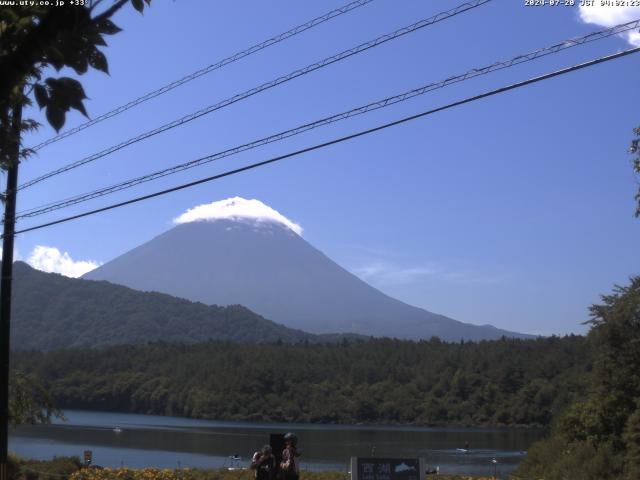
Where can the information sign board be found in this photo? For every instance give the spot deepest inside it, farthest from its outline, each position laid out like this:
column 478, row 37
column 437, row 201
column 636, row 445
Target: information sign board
column 375, row 468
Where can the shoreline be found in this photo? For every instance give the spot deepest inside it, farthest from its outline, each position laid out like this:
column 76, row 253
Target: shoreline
column 254, row 422
column 140, row 441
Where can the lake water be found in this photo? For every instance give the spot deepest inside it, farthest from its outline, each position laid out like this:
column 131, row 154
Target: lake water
column 171, row 442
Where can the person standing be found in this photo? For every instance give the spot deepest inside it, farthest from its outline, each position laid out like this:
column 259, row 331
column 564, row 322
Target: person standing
column 264, row 464
column 289, row 465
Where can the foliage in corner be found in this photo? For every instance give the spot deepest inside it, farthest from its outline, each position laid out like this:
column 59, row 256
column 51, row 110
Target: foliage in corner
column 29, row 401
column 599, row 437
column 635, row 150
column 35, row 39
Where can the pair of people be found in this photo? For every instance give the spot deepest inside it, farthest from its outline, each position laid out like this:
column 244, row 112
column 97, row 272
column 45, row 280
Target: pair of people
column 265, row 465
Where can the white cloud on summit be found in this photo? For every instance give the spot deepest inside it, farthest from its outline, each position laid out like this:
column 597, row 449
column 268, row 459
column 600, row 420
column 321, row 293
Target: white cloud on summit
column 237, row 208
column 51, row 260
column 612, row 16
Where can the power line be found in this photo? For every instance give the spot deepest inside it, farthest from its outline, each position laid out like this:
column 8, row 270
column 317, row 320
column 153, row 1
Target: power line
column 265, row 86
column 338, row 140
column 215, row 66
column 523, row 58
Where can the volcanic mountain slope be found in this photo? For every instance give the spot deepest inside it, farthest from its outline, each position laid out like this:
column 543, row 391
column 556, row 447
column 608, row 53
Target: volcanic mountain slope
column 51, row 311
column 266, row 266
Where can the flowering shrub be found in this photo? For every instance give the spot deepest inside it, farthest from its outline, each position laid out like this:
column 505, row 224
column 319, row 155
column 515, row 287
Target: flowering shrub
column 69, row 468
column 186, row 474
column 124, row 474
column 157, row 474
column 195, row 474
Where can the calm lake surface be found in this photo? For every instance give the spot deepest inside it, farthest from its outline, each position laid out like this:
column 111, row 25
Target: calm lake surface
column 171, row 442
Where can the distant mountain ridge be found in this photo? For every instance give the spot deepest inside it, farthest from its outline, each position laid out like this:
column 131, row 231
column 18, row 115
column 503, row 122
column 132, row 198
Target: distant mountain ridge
column 52, row 312
column 273, row 271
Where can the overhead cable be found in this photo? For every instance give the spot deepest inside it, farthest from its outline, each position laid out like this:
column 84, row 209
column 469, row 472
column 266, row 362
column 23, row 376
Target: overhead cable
column 337, row 140
column 386, row 102
column 265, row 86
column 203, row 71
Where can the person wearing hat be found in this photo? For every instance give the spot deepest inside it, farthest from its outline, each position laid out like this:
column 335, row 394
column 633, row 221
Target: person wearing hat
column 289, row 465
column 264, row 464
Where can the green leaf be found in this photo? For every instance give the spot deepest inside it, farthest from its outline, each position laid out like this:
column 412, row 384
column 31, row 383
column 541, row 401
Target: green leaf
column 80, row 65
column 41, row 94
column 108, row 27
column 54, row 57
column 73, row 85
column 29, row 125
column 55, row 116
column 98, row 60
column 78, row 105
column 92, row 36
column 98, row 40
column 138, row 5
column 66, row 93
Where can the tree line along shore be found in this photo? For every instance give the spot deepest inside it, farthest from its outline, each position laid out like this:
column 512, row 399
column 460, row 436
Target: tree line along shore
column 381, row 381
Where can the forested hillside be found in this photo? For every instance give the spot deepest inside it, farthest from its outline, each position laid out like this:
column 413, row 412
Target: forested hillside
column 51, row 311
column 504, row 382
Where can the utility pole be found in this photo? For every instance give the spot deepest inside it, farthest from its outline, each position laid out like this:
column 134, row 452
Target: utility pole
column 13, row 157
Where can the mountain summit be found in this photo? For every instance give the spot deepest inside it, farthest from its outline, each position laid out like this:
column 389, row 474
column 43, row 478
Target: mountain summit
column 239, row 251
column 238, row 209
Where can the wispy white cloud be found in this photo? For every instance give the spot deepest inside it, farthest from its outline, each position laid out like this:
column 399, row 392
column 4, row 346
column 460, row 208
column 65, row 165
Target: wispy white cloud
column 50, row 259
column 609, row 16
column 384, row 273
column 236, row 208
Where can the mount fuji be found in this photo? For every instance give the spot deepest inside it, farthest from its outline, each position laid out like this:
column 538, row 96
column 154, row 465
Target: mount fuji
column 239, row 251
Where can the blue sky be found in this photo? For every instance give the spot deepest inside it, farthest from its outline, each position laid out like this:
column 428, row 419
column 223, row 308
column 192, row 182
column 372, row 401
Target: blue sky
column 515, row 210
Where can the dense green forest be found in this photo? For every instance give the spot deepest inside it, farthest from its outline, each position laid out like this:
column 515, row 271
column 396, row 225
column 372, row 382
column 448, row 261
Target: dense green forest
column 598, row 436
column 504, row 382
column 51, row 311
